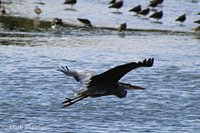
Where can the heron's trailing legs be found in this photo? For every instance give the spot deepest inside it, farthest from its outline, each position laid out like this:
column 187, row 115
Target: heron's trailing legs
column 69, row 101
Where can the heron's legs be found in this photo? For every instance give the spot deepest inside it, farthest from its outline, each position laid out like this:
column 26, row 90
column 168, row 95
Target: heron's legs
column 69, row 101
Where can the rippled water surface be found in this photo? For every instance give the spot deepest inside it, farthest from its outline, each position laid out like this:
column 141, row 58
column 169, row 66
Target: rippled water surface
column 31, row 90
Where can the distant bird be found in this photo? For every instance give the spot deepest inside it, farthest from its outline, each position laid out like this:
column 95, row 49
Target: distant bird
column 112, row 2
column 2, row 10
column 70, row 2
column 117, row 5
column 136, row 9
column 196, row 29
column 122, row 27
column 40, row 2
column 160, row 1
column 37, row 10
column 57, row 24
column 157, row 15
column 86, row 22
column 144, row 12
column 153, row 4
column 157, row 1
column 104, row 84
column 181, row 18
column 197, row 21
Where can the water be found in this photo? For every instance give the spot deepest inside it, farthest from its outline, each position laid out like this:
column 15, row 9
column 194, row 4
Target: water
column 32, row 90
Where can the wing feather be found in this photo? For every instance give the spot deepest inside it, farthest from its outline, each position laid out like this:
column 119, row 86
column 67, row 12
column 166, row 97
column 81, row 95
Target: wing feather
column 113, row 75
column 67, row 72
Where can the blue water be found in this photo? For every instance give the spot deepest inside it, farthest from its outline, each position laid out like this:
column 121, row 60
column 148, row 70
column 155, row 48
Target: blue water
column 31, row 90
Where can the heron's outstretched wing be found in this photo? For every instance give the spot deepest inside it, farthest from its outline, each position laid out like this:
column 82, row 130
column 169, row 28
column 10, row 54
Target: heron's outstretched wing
column 67, row 72
column 113, row 75
column 80, row 76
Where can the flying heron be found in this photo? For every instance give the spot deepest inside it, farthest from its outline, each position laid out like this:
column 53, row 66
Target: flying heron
column 104, row 84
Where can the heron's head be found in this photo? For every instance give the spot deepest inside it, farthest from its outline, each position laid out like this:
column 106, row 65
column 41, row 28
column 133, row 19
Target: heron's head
column 121, row 92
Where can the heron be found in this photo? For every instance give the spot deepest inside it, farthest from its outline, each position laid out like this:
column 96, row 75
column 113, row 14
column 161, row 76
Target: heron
column 104, row 84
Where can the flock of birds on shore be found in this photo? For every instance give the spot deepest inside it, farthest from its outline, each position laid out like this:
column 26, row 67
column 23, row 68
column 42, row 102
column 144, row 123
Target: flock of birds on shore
column 157, row 15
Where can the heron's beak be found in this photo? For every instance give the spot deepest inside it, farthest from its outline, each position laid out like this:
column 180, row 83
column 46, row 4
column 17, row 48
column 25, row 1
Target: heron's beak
column 132, row 87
